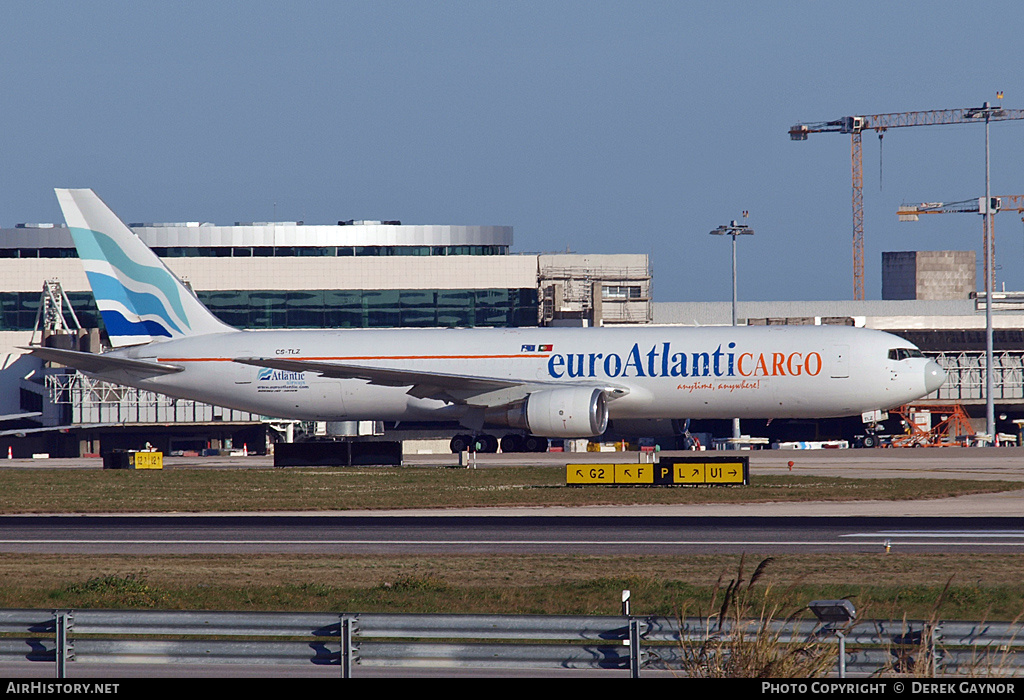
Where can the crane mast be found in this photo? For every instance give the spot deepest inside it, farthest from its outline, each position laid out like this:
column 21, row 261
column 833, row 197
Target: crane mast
column 856, row 125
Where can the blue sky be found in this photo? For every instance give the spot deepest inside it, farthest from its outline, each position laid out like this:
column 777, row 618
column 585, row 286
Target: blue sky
column 597, row 127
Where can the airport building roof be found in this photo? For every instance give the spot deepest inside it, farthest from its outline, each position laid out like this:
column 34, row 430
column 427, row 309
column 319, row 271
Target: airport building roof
column 273, row 234
column 884, row 315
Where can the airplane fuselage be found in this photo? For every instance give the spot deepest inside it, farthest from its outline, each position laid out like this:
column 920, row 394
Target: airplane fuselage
column 659, row 372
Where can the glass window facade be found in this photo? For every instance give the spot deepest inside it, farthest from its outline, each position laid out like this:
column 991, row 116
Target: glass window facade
column 341, row 308
column 18, row 310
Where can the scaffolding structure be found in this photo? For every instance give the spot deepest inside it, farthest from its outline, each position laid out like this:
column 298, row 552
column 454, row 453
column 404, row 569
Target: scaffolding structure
column 601, row 296
column 94, row 402
column 953, row 429
column 965, row 372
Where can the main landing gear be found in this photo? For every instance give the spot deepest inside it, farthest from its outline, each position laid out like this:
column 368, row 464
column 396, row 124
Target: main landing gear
column 508, row 443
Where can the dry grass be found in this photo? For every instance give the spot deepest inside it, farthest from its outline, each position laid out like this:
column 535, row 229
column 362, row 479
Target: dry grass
column 738, row 641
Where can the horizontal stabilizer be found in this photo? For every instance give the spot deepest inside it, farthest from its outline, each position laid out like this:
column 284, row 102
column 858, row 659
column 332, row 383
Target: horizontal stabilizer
column 98, row 364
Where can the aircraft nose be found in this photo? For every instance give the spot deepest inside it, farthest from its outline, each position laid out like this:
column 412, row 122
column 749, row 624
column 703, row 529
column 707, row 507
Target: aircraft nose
column 934, row 376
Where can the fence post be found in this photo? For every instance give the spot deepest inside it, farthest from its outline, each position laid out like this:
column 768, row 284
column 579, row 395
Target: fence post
column 842, row 653
column 634, row 648
column 346, row 647
column 64, row 649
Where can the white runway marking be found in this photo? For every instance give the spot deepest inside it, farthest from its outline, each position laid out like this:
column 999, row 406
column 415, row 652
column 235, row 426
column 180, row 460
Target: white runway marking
column 955, row 534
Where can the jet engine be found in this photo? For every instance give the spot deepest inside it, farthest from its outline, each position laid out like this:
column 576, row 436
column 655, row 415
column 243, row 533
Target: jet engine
column 572, row 412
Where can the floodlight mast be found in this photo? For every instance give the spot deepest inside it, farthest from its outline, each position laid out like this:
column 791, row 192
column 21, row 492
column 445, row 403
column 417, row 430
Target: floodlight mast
column 734, row 229
column 988, row 112
column 987, row 206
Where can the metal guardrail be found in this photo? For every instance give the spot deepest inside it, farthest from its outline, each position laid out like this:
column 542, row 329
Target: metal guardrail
column 70, row 638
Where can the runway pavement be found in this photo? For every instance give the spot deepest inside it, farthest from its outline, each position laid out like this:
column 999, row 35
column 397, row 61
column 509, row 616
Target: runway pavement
column 491, row 533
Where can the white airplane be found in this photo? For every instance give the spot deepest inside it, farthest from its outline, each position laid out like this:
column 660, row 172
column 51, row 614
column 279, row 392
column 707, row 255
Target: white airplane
column 544, row 382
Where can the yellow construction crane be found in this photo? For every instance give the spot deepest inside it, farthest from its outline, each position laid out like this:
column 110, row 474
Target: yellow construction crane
column 1015, row 202
column 854, row 126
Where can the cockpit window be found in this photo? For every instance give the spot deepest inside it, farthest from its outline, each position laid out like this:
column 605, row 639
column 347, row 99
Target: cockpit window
column 904, row 353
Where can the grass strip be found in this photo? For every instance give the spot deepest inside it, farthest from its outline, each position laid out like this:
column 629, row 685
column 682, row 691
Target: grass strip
column 882, row 586
column 201, row 490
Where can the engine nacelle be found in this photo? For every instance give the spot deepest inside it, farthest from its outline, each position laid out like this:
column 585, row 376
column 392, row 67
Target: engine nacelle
column 573, row 412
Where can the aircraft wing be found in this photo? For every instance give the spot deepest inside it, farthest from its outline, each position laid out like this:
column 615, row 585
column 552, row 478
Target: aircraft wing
column 460, row 388
column 100, row 364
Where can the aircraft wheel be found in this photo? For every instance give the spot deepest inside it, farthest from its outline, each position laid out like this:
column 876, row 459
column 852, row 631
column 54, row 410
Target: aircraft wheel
column 536, row 444
column 869, row 441
column 512, row 443
column 486, row 443
column 461, row 443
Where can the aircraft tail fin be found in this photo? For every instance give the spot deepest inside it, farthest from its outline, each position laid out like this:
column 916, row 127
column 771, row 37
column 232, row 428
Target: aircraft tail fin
column 139, row 299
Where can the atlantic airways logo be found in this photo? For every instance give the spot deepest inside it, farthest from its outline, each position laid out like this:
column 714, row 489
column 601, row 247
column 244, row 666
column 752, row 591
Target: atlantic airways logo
column 275, row 381
column 277, row 375
column 661, row 360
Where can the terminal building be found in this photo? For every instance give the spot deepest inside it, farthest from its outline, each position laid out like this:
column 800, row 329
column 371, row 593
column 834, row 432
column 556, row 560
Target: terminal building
column 377, row 274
